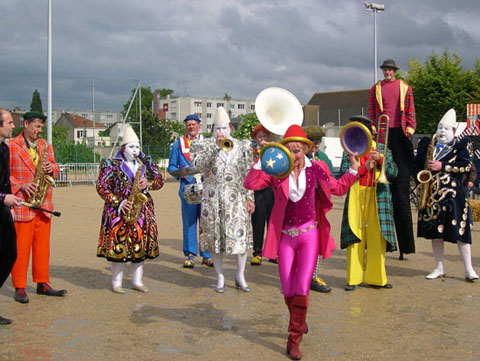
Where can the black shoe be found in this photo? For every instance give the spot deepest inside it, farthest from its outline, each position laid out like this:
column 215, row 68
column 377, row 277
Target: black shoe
column 350, row 287
column 319, row 285
column 45, row 289
column 386, row 285
column 5, row 321
column 21, row 295
column 273, row 260
column 401, row 257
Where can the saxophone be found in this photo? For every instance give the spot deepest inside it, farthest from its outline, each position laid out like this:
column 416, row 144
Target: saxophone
column 137, row 198
column 425, row 177
column 42, row 181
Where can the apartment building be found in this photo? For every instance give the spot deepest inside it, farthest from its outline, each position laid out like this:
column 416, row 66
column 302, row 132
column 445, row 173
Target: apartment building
column 177, row 108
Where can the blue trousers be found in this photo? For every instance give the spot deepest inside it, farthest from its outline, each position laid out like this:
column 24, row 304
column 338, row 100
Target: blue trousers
column 190, row 217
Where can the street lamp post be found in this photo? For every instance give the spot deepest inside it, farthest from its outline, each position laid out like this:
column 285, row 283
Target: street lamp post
column 374, row 8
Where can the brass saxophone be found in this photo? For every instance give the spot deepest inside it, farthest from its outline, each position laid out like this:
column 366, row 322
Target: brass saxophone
column 425, row 177
column 42, row 181
column 137, row 198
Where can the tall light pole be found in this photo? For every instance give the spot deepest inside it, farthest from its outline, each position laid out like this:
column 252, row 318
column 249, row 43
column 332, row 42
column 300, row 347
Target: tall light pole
column 374, row 8
column 49, row 73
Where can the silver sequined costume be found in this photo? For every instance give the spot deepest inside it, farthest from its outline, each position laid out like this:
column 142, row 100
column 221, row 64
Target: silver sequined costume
column 225, row 224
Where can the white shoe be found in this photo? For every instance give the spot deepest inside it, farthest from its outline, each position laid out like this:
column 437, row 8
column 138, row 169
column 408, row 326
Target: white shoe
column 118, row 289
column 471, row 276
column 141, row 288
column 435, row 274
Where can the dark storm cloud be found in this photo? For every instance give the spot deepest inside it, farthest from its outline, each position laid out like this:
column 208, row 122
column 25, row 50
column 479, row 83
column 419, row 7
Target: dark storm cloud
column 208, row 48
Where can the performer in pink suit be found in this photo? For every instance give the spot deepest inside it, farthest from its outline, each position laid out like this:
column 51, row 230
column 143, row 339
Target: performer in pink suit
column 298, row 230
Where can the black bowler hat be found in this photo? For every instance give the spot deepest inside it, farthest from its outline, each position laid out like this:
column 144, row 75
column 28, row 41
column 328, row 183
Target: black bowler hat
column 362, row 119
column 33, row 115
column 389, row 63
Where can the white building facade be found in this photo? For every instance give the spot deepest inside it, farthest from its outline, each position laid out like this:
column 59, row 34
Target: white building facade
column 177, row 108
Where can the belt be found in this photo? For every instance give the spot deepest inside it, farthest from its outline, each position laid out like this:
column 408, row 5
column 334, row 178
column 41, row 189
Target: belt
column 295, row 232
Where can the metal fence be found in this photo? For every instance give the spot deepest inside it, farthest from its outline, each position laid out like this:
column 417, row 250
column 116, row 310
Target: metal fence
column 84, row 173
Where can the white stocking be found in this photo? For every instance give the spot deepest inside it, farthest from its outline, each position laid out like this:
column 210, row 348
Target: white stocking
column 466, row 254
column 117, row 273
column 241, row 262
column 437, row 247
column 137, row 274
column 217, row 259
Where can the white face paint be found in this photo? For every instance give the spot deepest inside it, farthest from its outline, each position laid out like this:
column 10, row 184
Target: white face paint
column 444, row 133
column 132, row 150
column 223, row 129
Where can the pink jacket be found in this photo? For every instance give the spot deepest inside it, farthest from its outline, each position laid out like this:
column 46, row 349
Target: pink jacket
column 257, row 179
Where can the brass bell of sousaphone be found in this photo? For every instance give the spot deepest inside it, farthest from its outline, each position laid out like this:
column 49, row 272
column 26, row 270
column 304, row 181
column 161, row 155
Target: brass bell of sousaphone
column 356, row 138
column 277, row 109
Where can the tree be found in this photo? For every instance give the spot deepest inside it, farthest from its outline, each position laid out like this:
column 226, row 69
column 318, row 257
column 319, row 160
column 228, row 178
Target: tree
column 441, row 84
column 164, row 92
column 246, row 126
column 36, row 104
column 227, row 97
column 147, row 97
column 157, row 134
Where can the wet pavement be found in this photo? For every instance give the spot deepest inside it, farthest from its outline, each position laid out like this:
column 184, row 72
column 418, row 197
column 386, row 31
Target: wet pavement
column 182, row 318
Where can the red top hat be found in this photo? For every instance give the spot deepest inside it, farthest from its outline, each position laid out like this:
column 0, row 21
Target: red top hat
column 259, row 128
column 295, row 133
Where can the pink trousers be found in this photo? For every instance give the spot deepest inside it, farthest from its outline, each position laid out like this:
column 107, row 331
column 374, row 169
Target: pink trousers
column 297, row 258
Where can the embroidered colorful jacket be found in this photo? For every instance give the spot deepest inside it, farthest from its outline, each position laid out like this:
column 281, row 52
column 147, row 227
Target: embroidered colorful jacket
column 22, row 170
column 407, row 109
column 120, row 241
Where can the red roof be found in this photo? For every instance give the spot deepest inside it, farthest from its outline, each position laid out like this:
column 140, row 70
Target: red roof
column 81, row 122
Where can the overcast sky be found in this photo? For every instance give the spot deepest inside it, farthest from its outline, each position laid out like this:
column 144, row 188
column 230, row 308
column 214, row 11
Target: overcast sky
column 213, row 47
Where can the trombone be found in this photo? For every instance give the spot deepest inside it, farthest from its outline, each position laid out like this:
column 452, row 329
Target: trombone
column 382, row 178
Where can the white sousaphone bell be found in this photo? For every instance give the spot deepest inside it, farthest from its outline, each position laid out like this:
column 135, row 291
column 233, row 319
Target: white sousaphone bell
column 277, row 109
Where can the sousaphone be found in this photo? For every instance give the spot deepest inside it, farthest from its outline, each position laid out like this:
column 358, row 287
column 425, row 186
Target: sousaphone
column 277, row 109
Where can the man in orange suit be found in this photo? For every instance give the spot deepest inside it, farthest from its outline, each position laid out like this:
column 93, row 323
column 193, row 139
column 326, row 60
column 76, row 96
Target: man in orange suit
column 32, row 226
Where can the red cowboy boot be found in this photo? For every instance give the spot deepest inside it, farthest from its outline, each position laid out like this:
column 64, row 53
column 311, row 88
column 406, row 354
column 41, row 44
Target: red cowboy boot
column 288, row 302
column 297, row 326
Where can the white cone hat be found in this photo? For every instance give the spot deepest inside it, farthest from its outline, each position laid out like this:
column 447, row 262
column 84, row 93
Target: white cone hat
column 221, row 117
column 449, row 119
column 129, row 136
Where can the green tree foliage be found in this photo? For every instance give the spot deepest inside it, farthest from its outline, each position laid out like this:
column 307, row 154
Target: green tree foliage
column 36, row 104
column 441, row 84
column 157, row 135
column 147, row 97
column 164, row 92
column 246, row 126
column 67, row 151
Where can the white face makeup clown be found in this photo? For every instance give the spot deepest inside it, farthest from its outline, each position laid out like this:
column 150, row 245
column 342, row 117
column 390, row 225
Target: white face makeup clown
column 221, row 123
column 223, row 129
column 446, row 127
column 131, row 151
column 445, row 134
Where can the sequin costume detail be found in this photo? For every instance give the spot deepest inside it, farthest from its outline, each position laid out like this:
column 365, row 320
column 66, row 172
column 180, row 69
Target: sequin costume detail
column 225, row 224
column 120, row 241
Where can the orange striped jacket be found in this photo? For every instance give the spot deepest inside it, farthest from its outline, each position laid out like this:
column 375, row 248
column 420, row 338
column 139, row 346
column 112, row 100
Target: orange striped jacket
column 22, row 170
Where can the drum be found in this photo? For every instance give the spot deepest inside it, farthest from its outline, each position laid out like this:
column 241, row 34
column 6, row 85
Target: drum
column 192, row 193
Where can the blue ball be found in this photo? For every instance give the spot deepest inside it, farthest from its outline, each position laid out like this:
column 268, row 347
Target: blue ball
column 276, row 160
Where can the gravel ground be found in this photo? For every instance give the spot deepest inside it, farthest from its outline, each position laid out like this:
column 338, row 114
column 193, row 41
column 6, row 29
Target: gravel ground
column 182, row 318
